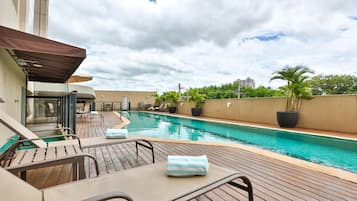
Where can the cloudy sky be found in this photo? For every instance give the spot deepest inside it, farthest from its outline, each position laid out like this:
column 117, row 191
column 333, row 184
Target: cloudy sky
column 154, row 45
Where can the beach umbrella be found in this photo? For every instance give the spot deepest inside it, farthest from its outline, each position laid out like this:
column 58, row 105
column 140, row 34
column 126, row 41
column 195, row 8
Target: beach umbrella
column 79, row 78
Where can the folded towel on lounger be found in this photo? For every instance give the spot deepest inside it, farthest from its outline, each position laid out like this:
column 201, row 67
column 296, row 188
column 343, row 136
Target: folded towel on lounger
column 94, row 112
column 181, row 166
column 116, row 133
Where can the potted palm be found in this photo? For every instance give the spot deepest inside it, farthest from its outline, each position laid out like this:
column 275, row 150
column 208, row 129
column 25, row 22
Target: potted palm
column 158, row 99
column 297, row 89
column 172, row 97
column 198, row 99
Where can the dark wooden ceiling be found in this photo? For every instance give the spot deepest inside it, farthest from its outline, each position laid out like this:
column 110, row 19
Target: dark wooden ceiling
column 44, row 60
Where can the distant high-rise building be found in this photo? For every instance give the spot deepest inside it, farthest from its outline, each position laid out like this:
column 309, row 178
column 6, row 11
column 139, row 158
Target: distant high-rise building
column 249, row 82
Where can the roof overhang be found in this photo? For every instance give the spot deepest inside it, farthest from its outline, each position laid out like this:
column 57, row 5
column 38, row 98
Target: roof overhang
column 42, row 59
column 59, row 90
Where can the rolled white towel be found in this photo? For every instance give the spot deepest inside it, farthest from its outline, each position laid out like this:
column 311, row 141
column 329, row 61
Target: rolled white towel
column 116, row 133
column 181, row 166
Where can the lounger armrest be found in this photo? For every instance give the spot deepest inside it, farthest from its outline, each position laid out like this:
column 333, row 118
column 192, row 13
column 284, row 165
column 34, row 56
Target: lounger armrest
column 61, row 160
column 55, row 129
column 109, row 196
column 41, row 138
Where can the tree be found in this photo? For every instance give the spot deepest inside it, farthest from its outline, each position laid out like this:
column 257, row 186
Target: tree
column 172, row 97
column 297, row 87
column 334, row 84
column 195, row 96
column 159, row 98
column 261, row 91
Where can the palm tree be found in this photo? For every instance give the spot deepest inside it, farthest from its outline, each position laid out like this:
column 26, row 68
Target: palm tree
column 297, row 87
column 195, row 96
column 172, row 97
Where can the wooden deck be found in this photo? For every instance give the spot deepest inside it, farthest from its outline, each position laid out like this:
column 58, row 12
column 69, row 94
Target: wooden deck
column 272, row 179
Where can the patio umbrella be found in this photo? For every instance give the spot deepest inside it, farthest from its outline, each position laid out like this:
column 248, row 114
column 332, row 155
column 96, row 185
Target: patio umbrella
column 79, row 78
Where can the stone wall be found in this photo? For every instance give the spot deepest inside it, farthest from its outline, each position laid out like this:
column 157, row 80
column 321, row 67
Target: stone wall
column 331, row 113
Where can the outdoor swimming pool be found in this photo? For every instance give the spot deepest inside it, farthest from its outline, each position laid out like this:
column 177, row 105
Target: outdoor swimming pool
column 318, row 149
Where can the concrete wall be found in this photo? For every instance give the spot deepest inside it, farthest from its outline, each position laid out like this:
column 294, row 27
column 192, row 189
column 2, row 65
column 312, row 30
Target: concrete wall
column 40, row 22
column 12, row 84
column 331, row 113
column 134, row 97
column 14, row 14
column 8, row 14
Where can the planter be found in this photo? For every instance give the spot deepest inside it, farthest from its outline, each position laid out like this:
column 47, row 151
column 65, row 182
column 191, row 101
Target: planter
column 172, row 109
column 287, row 119
column 196, row 111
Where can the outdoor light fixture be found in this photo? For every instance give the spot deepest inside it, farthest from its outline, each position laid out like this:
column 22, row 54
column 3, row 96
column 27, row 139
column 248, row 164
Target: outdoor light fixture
column 37, row 65
column 1, row 100
column 21, row 62
column 28, row 63
column 229, row 104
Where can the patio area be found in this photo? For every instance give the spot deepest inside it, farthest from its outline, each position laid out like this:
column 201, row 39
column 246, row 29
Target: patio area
column 272, row 179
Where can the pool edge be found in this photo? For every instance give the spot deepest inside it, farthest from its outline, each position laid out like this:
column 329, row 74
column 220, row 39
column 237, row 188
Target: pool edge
column 336, row 172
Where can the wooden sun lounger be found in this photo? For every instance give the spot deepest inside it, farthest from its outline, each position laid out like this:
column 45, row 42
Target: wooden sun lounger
column 144, row 183
column 28, row 135
column 22, row 161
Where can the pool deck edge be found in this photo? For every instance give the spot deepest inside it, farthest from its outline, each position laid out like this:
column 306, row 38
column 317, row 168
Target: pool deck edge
column 342, row 174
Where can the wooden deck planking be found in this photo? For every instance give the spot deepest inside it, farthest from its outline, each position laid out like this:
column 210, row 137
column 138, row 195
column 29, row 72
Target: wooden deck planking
column 260, row 174
column 272, row 179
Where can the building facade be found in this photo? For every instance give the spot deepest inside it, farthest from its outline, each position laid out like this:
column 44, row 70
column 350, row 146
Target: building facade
column 249, row 82
column 13, row 14
column 119, row 100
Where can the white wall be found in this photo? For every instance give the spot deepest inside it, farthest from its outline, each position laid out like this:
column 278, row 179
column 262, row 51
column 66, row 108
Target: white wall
column 12, row 80
column 8, row 14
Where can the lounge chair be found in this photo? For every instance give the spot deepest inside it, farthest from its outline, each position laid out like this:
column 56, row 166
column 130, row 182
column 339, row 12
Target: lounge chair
column 84, row 111
column 164, row 107
column 28, row 136
column 144, row 183
column 156, row 108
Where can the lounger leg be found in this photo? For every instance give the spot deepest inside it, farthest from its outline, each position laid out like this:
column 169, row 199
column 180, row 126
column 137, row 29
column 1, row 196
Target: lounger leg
column 74, row 171
column 82, row 174
column 23, row 175
column 148, row 145
column 247, row 188
column 137, row 150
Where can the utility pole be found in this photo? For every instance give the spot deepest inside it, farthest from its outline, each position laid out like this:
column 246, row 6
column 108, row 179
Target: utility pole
column 238, row 93
column 179, row 88
column 238, row 90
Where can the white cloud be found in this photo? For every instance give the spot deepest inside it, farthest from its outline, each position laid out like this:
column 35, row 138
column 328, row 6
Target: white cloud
column 140, row 45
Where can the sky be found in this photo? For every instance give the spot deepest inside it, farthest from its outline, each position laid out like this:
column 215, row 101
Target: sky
column 152, row 45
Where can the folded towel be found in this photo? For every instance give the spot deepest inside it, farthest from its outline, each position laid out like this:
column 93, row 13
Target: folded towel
column 94, row 112
column 181, row 166
column 116, row 133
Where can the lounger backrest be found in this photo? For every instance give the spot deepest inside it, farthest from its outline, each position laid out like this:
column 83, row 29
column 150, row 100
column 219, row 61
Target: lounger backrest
column 13, row 188
column 20, row 129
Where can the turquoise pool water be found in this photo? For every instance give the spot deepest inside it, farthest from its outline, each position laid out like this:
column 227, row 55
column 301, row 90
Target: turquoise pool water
column 324, row 150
